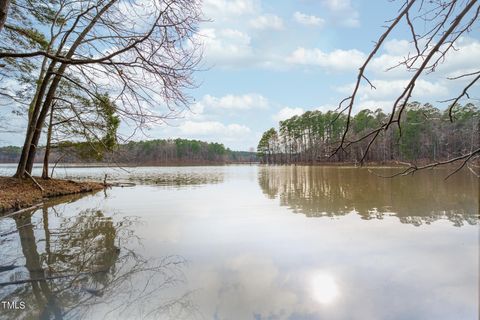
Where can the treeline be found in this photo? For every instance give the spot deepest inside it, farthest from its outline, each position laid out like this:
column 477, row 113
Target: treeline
column 426, row 134
column 10, row 154
column 181, row 151
column 151, row 152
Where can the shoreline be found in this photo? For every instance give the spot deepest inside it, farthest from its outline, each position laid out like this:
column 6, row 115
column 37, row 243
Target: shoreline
column 132, row 165
column 17, row 194
column 392, row 164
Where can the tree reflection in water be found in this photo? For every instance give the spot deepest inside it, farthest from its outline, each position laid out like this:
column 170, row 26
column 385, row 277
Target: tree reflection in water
column 82, row 267
column 336, row 191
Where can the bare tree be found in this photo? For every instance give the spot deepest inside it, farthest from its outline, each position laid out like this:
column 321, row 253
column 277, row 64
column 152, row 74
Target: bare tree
column 435, row 27
column 142, row 53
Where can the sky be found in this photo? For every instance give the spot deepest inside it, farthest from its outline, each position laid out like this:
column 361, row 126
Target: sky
column 267, row 60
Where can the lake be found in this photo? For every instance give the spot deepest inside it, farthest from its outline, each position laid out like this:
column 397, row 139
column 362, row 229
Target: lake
column 247, row 242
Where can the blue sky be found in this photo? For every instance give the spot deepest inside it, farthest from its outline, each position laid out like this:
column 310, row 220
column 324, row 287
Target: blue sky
column 267, row 60
column 273, row 59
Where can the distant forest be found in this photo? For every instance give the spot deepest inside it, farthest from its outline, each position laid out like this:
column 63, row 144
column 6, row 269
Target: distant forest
column 426, row 134
column 151, row 152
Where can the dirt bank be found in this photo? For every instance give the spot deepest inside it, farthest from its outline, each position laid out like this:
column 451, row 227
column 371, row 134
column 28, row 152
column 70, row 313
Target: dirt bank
column 16, row 194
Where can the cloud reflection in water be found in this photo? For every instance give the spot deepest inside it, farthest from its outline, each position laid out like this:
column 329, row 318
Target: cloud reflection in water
column 324, row 288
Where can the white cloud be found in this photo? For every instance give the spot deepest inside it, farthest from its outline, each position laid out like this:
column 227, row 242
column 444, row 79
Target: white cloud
column 352, row 21
column 267, row 21
column 236, row 102
column 397, row 47
column 465, row 57
column 226, row 47
column 393, row 88
column 338, row 5
column 195, row 111
column 249, row 101
column 287, row 113
column 308, row 20
column 387, row 91
column 336, row 60
column 263, row 287
column 430, row 87
column 373, row 105
column 224, row 9
column 344, row 12
column 396, row 51
column 423, row 88
column 326, row 107
column 207, row 128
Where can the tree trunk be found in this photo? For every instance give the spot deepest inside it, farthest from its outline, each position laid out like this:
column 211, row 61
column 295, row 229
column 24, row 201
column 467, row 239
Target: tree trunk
column 42, row 116
column 41, row 109
column 32, row 124
column 41, row 289
column 48, row 146
column 23, row 157
column 47, row 239
column 43, row 78
column 3, row 12
column 36, row 135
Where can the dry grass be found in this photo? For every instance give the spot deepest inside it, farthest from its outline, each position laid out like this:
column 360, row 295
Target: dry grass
column 16, row 194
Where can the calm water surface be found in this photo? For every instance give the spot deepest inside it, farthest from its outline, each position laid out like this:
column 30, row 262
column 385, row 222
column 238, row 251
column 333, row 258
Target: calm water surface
column 248, row 242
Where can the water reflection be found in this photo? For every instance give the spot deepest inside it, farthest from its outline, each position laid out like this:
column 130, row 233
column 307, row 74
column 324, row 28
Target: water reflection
column 160, row 176
column 77, row 266
column 248, row 258
column 419, row 199
column 324, row 288
column 178, row 179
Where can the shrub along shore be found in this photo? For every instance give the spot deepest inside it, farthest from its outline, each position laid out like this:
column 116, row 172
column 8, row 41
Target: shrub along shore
column 16, row 194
